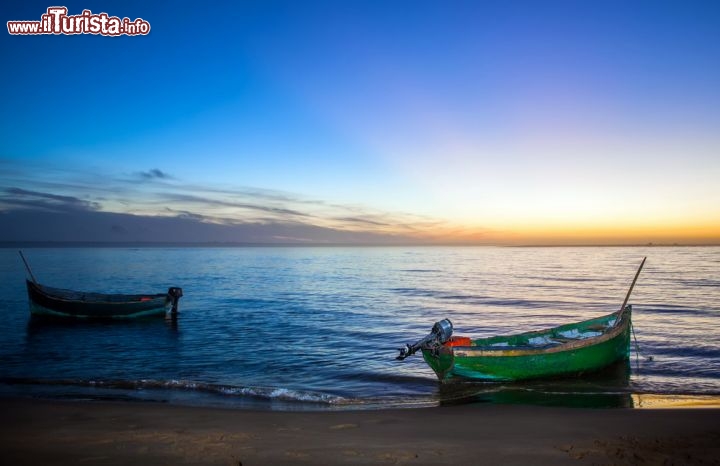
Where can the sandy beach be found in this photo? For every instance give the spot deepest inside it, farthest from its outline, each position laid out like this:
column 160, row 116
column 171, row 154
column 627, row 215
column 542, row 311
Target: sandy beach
column 117, row 433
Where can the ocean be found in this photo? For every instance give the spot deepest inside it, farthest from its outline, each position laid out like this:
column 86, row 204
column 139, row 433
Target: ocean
column 318, row 328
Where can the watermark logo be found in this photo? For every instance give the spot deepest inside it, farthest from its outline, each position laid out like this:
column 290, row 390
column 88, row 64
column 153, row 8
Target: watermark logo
column 57, row 21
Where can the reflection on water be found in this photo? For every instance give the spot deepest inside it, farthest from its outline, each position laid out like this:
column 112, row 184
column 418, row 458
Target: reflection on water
column 79, row 332
column 37, row 325
column 608, row 388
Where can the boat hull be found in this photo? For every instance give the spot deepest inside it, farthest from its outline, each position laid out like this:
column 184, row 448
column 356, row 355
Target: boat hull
column 55, row 302
column 512, row 358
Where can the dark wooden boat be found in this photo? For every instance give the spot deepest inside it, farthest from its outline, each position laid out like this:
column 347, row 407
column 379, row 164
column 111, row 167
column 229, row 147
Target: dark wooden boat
column 57, row 302
column 570, row 349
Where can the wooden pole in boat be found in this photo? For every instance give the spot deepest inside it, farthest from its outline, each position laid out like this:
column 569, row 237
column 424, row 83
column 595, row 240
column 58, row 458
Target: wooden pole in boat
column 627, row 297
column 28, row 268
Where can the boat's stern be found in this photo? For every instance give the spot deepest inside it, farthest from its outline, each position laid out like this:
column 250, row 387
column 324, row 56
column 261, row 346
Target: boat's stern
column 173, row 298
column 442, row 359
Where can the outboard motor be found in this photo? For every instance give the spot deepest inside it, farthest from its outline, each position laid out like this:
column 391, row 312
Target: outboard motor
column 441, row 332
column 175, row 294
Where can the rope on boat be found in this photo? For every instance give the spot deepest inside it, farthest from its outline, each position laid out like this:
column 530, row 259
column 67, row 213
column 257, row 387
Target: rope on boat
column 637, row 347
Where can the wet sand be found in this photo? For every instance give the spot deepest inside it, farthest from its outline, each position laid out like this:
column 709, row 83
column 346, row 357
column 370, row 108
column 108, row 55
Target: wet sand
column 116, row 433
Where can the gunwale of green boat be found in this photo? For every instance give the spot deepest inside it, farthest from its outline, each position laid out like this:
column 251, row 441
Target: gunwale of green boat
column 482, row 347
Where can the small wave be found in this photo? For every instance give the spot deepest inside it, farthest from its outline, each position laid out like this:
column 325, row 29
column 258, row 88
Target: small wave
column 709, row 282
column 414, row 292
column 264, row 393
column 399, row 379
column 421, row 270
column 545, row 279
column 480, row 300
column 677, row 309
column 699, row 353
column 421, row 292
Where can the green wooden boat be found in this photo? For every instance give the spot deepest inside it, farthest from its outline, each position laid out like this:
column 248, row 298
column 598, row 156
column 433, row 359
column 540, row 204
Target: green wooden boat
column 571, row 349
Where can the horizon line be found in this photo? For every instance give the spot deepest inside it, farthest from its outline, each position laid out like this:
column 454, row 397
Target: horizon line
column 240, row 244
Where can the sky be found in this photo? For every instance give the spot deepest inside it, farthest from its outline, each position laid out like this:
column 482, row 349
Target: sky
column 453, row 122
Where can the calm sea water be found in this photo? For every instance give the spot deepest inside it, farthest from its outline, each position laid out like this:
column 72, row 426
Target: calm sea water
column 319, row 328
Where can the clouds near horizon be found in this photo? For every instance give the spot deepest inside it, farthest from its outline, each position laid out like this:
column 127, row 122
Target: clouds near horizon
column 104, row 208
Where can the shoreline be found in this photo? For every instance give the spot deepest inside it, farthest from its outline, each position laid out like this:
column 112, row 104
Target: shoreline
column 577, row 400
column 114, row 433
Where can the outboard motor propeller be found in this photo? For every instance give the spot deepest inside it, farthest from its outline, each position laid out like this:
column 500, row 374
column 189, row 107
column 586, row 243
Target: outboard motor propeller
column 441, row 333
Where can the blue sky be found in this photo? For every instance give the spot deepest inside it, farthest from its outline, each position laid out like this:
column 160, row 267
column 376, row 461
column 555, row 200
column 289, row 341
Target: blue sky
column 497, row 122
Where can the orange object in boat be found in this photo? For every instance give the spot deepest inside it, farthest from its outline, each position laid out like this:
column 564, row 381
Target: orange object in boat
column 459, row 341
